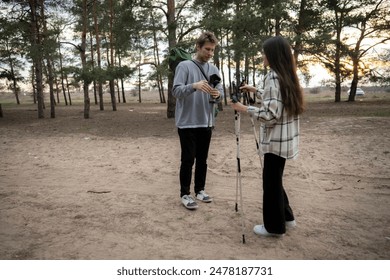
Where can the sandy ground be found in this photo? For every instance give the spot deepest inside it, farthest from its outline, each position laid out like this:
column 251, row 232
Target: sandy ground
column 107, row 187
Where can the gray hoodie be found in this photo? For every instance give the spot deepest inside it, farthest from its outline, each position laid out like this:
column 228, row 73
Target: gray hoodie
column 193, row 108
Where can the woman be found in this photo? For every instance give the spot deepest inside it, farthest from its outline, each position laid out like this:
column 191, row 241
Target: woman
column 281, row 105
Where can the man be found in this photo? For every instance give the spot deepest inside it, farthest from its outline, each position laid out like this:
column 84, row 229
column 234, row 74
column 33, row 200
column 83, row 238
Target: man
column 194, row 116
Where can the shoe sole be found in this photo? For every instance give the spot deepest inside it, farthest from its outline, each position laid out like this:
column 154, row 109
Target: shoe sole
column 267, row 234
column 191, row 207
column 275, row 235
column 205, row 201
column 291, row 225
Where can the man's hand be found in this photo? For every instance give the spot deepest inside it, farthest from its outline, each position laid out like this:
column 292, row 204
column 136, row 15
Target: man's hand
column 215, row 93
column 203, row 86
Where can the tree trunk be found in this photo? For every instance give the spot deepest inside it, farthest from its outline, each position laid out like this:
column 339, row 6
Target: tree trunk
column 355, row 61
column 337, row 72
column 117, row 90
column 159, row 82
column 171, row 43
column 67, row 88
column 337, row 57
column 93, row 67
column 139, row 80
column 49, row 65
column 355, row 80
column 57, row 87
column 15, row 89
column 51, row 89
column 112, row 84
column 123, row 90
column 84, row 60
column 36, row 42
column 62, row 74
column 229, row 58
column 223, row 72
column 14, row 82
column 121, row 79
column 299, row 30
column 99, row 64
column 278, row 28
column 237, row 51
column 34, row 94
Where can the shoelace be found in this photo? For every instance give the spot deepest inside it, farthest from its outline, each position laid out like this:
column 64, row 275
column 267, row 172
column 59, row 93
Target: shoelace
column 190, row 200
column 203, row 193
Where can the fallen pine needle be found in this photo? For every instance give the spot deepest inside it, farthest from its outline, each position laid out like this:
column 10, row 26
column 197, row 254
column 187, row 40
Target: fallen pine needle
column 328, row 190
column 99, row 192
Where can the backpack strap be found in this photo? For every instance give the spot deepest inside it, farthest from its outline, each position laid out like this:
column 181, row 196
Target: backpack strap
column 201, row 69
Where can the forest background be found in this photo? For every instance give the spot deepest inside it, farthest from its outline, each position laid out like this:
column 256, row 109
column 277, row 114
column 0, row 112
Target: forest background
column 54, row 47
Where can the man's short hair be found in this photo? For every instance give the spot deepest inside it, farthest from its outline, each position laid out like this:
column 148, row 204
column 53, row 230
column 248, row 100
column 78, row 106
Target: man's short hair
column 206, row 37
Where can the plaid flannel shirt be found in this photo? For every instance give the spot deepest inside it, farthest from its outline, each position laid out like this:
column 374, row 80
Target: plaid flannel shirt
column 279, row 133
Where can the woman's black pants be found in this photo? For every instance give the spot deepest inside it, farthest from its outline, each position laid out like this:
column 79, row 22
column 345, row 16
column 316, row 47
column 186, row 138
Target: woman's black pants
column 276, row 207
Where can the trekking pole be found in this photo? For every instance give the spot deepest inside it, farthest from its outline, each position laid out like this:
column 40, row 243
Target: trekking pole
column 237, row 121
column 257, row 142
column 255, row 134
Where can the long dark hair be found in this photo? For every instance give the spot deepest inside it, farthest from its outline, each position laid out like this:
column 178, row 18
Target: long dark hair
column 280, row 59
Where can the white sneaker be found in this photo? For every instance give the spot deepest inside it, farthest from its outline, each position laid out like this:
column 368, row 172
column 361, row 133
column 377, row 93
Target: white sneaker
column 291, row 224
column 204, row 197
column 260, row 230
column 189, row 202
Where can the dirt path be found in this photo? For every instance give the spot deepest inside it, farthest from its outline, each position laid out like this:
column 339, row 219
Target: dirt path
column 107, row 187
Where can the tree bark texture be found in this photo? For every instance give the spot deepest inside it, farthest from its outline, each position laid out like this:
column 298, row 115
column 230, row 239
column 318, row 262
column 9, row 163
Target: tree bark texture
column 36, row 42
column 48, row 63
column 84, row 60
column 171, row 43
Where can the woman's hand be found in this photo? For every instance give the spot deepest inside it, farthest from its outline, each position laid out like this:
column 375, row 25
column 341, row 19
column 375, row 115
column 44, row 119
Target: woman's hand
column 248, row 88
column 238, row 106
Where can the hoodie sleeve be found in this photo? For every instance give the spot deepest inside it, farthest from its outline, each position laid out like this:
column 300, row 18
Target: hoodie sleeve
column 182, row 87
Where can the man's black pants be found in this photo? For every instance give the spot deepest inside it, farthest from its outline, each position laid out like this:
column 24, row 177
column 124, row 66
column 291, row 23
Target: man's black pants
column 195, row 143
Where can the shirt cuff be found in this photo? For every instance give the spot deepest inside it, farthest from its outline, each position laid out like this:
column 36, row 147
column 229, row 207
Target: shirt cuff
column 251, row 109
